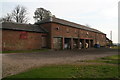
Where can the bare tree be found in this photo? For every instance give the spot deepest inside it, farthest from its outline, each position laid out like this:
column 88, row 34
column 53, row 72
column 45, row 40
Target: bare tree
column 41, row 14
column 19, row 14
column 7, row 18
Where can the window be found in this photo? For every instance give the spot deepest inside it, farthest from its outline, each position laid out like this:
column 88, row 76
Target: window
column 68, row 30
column 57, row 28
column 87, row 33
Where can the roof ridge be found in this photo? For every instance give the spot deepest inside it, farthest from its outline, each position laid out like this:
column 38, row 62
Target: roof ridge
column 83, row 26
column 19, row 23
column 69, row 23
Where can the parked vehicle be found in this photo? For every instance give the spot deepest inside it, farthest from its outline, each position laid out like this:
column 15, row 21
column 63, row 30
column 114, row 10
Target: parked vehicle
column 97, row 46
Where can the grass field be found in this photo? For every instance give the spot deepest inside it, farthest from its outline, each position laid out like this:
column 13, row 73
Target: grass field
column 71, row 71
column 115, row 59
column 115, row 47
column 95, row 71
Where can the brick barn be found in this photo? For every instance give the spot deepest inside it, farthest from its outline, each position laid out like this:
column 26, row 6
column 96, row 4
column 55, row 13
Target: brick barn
column 52, row 33
column 17, row 36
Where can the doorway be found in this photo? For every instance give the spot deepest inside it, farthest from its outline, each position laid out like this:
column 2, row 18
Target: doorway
column 67, row 43
column 57, row 43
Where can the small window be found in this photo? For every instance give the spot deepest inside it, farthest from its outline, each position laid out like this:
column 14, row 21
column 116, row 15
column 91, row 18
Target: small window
column 87, row 33
column 68, row 30
column 57, row 28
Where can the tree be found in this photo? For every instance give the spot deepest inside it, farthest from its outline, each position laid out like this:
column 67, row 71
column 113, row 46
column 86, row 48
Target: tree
column 41, row 14
column 19, row 14
column 7, row 18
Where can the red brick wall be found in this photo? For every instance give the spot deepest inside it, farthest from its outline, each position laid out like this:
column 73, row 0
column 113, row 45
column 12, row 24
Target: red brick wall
column 65, row 31
column 97, row 37
column 58, row 30
column 11, row 40
column 101, row 39
column 75, row 32
column 47, row 26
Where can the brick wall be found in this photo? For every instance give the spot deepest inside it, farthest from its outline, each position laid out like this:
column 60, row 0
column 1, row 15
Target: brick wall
column 13, row 40
column 58, row 30
column 20, row 40
column 47, row 26
column 64, row 31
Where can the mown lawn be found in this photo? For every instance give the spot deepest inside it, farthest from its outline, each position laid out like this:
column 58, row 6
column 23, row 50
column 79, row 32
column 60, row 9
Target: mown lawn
column 116, row 47
column 115, row 59
column 80, row 72
column 71, row 71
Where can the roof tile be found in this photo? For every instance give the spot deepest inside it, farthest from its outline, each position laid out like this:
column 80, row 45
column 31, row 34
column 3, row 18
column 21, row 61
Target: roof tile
column 23, row 27
column 72, row 24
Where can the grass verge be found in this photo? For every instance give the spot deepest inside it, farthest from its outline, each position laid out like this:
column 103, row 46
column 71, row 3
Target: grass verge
column 71, row 71
column 79, row 72
column 115, row 47
column 115, row 59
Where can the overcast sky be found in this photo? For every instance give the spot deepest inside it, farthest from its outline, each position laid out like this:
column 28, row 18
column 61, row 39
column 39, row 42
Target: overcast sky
column 98, row 14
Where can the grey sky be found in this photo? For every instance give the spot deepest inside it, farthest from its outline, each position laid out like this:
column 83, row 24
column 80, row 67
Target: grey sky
column 99, row 14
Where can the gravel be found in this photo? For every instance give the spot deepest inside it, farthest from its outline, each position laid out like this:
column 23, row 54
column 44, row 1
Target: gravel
column 14, row 63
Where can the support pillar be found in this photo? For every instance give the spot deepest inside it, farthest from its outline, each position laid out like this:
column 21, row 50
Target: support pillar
column 78, row 43
column 92, row 42
column 51, row 43
column 71, row 43
column 63, row 43
column 84, row 41
column 89, row 44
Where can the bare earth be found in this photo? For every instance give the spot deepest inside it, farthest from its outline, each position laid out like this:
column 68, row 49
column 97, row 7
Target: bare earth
column 14, row 63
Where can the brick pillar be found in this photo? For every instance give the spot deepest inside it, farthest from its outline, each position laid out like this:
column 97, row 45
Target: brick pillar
column 92, row 42
column 63, row 43
column 51, row 43
column 84, row 41
column 78, row 43
column 71, row 43
column 89, row 44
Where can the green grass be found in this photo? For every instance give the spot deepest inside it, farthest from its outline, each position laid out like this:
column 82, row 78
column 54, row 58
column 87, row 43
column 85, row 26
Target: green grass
column 115, row 59
column 24, row 51
column 71, row 71
column 115, row 47
column 96, row 71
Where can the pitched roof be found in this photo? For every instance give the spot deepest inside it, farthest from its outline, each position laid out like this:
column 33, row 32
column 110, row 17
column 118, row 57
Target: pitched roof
column 22, row 27
column 68, row 23
column 108, row 39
